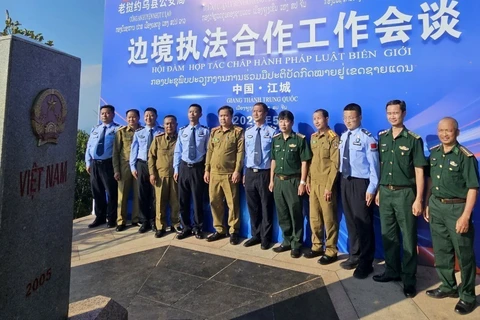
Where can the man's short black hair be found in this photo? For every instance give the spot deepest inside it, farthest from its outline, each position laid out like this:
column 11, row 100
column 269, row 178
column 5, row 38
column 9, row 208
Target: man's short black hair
column 196, row 105
column 133, row 110
column 170, row 116
column 152, row 110
column 263, row 105
column 286, row 115
column 228, row 108
column 401, row 103
column 108, row 106
column 323, row 112
column 353, row 107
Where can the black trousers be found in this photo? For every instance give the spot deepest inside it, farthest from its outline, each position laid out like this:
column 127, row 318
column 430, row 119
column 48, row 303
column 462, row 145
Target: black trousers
column 101, row 182
column 191, row 186
column 359, row 220
column 146, row 193
column 259, row 203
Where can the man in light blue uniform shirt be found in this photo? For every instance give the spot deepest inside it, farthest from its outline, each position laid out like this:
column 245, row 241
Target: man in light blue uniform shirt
column 99, row 165
column 142, row 139
column 189, row 168
column 258, row 145
column 360, row 168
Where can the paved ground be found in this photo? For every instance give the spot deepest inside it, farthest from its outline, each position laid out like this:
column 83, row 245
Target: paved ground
column 148, row 276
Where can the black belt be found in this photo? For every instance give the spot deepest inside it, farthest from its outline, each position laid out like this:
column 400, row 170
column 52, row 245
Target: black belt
column 451, row 200
column 102, row 161
column 353, row 178
column 284, row 177
column 257, row 170
column 394, row 188
column 193, row 165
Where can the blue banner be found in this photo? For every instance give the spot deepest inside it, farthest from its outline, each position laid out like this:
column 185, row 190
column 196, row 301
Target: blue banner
column 299, row 55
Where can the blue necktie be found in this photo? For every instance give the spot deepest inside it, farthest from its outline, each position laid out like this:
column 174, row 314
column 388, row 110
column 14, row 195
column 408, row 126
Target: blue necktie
column 150, row 139
column 346, row 167
column 192, row 146
column 101, row 142
column 257, row 158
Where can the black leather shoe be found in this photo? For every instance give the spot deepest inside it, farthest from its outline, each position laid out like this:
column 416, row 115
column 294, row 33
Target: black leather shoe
column 282, row 248
column 97, row 222
column 198, row 234
column 384, row 278
column 145, row 227
column 324, row 260
column 184, row 234
column 349, row 264
column 362, row 273
column 312, row 254
column 120, row 228
column 265, row 245
column 464, row 308
column 295, row 253
column 439, row 294
column 111, row 225
column 410, row 291
column 216, row 236
column 251, row 242
column 234, row 240
column 160, row 233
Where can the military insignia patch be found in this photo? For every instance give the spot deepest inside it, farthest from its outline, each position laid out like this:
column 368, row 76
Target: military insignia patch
column 453, row 164
column 250, row 137
column 403, row 148
column 48, row 116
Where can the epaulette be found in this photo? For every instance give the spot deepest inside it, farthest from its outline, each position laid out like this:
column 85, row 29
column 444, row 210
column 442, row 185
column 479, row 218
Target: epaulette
column 116, row 124
column 466, row 151
column 366, row 132
column 332, row 133
column 413, row 134
column 215, row 129
column 277, row 134
column 139, row 128
column 301, row 135
column 205, row 127
column 249, row 128
column 273, row 127
column 383, row 132
column 315, row 134
column 183, row 127
column 122, row 128
column 435, row 147
column 159, row 134
column 238, row 129
column 160, row 127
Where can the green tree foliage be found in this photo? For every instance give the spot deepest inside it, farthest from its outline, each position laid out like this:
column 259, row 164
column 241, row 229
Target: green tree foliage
column 14, row 27
column 83, row 194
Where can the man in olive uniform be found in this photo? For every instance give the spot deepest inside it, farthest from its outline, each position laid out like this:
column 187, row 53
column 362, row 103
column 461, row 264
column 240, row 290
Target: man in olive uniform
column 400, row 197
column 290, row 154
column 223, row 167
column 121, row 169
column 451, row 195
column 321, row 188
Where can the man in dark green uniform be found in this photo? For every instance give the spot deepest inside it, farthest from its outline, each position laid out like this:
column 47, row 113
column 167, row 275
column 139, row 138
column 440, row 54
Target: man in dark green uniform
column 290, row 153
column 452, row 192
column 400, row 197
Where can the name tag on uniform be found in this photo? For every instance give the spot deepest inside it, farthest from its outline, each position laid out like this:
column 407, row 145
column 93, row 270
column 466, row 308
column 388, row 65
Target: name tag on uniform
column 357, row 142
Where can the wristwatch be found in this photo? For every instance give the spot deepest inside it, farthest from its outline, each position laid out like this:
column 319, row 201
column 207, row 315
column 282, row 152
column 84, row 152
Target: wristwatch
column 303, row 182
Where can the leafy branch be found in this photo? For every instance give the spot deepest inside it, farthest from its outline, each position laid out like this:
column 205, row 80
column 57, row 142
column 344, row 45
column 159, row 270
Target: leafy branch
column 14, row 27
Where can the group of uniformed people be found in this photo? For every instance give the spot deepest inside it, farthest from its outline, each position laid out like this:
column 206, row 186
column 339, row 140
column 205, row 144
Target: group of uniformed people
column 281, row 166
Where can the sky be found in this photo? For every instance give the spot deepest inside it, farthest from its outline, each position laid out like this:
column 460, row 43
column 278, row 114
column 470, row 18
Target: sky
column 75, row 27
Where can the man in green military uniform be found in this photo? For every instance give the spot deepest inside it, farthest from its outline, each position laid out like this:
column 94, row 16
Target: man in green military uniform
column 223, row 167
column 321, row 188
column 400, row 197
column 452, row 193
column 290, row 154
column 160, row 168
column 121, row 169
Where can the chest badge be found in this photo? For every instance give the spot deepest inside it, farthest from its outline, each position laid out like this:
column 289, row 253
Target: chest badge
column 453, row 164
column 403, row 148
column 292, row 145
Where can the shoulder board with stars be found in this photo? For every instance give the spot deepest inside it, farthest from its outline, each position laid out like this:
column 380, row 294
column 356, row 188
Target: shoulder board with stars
column 215, row 129
column 332, row 133
column 277, row 134
column 116, row 124
column 366, row 132
column 301, row 135
column 237, row 128
column 382, row 132
column 159, row 134
column 273, row 127
column 466, row 151
column 435, row 147
column 249, row 128
column 139, row 128
column 413, row 134
column 205, row 127
column 314, row 134
column 183, row 127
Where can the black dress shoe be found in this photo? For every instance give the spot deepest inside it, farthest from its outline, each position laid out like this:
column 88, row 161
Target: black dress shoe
column 295, row 253
column 410, row 291
column 439, row 294
column 120, row 228
column 184, row 234
column 234, row 240
column 324, row 260
column 198, row 234
column 312, row 254
column 362, row 272
column 251, row 242
column 145, row 227
column 464, row 308
column 265, row 245
column 97, row 222
column 349, row 264
column 160, row 233
column 216, row 236
column 384, row 278
column 282, row 248
column 111, row 225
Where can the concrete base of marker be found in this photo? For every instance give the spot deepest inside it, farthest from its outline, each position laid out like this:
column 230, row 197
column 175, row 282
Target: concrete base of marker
column 97, row 308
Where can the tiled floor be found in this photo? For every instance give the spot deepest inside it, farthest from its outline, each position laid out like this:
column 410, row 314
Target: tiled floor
column 176, row 283
column 123, row 265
